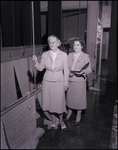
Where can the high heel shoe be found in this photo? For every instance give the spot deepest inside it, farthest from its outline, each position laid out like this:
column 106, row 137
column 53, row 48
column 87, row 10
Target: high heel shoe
column 75, row 123
column 53, row 126
column 63, row 126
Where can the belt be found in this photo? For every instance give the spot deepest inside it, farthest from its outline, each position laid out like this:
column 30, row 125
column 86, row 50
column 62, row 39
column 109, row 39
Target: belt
column 80, row 75
column 77, row 75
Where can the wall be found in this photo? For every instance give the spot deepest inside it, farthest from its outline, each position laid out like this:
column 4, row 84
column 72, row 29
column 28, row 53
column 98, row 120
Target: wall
column 74, row 26
column 92, row 31
column 105, row 45
column 16, row 23
column 18, row 113
column 106, row 15
column 65, row 5
column 106, row 22
column 17, row 73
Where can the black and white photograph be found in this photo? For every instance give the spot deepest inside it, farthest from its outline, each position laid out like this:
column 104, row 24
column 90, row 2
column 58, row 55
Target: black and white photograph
column 59, row 75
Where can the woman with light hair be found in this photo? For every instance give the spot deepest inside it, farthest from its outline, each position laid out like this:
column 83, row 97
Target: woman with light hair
column 55, row 80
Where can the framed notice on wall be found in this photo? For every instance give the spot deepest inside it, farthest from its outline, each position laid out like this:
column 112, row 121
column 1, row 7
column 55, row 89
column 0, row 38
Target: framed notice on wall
column 99, row 46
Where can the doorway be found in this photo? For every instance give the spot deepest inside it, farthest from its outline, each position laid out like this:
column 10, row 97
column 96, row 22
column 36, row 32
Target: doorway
column 105, row 48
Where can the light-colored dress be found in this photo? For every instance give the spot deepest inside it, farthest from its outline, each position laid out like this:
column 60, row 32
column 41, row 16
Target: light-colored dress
column 54, row 80
column 76, row 94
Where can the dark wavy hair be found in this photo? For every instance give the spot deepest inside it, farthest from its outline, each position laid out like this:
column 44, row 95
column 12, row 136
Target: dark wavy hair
column 82, row 42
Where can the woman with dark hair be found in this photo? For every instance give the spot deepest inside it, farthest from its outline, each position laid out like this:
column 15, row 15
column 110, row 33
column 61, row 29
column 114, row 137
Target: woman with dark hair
column 79, row 66
column 55, row 80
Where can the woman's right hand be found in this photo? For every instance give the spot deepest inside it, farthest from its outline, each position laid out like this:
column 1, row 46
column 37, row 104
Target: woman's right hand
column 34, row 58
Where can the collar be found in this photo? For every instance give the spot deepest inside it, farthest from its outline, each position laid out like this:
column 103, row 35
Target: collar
column 57, row 53
column 80, row 54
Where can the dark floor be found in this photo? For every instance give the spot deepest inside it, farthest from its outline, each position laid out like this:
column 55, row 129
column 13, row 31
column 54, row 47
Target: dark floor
column 104, row 67
column 94, row 131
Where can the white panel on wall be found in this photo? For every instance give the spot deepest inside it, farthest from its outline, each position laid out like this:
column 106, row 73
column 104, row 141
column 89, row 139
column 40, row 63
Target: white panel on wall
column 106, row 16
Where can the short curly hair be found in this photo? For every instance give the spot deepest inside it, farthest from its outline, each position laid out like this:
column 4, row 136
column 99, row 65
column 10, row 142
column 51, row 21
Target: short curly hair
column 58, row 40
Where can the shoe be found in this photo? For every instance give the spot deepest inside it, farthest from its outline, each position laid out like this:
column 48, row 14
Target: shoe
column 53, row 126
column 94, row 89
column 63, row 126
column 75, row 123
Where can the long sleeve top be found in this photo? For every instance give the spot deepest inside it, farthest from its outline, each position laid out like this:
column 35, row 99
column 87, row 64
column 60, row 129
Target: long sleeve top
column 56, row 70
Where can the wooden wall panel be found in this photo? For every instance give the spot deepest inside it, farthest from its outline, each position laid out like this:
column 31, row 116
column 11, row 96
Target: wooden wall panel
column 20, row 123
column 17, row 52
column 8, row 53
column 28, row 50
column 3, row 140
column 5, row 55
column 21, row 68
column 8, row 89
column 18, row 59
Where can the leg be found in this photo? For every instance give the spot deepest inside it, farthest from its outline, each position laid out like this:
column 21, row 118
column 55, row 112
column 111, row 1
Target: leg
column 69, row 114
column 90, row 78
column 53, row 119
column 78, row 117
column 90, row 81
column 61, row 118
column 53, row 125
column 63, row 126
